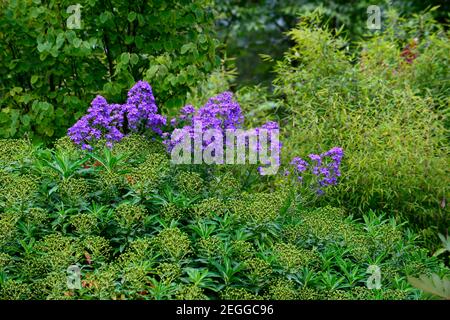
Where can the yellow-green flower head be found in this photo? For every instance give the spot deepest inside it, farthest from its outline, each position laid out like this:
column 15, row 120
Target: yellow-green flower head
column 173, row 243
column 189, row 183
column 127, row 214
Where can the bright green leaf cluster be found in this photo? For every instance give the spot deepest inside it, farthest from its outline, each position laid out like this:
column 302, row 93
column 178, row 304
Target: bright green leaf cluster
column 53, row 70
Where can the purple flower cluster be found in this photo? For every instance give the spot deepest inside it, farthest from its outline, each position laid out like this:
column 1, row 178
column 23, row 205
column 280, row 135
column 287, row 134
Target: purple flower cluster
column 141, row 109
column 223, row 114
column 274, row 148
column 300, row 166
column 220, row 112
column 113, row 121
column 325, row 167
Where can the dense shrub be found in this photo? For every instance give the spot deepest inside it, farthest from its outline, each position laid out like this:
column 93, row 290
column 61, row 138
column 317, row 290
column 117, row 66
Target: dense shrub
column 365, row 145
column 250, row 29
column 208, row 245
column 52, row 72
column 386, row 107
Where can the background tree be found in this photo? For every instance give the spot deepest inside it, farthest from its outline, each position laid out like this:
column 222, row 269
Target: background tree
column 50, row 72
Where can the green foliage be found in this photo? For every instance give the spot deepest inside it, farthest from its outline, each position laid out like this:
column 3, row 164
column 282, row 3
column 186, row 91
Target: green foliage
column 5, row 259
column 434, row 285
column 73, row 189
column 386, row 106
column 60, row 251
column 292, row 259
column 173, row 243
column 238, row 294
column 191, row 292
column 327, row 225
column 128, row 215
column 149, row 174
column 168, row 272
column 225, row 185
column 65, row 145
column 137, row 147
column 170, row 211
column 210, row 247
column 14, row 290
column 96, row 249
column 259, row 208
column 258, row 270
column 17, row 189
column 282, row 289
column 249, row 29
column 189, row 183
column 258, row 104
column 52, row 71
column 83, row 223
column 445, row 248
column 181, row 234
column 8, row 223
column 12, row 150
column 242, row 249
column 254, row 30
column 209, row 207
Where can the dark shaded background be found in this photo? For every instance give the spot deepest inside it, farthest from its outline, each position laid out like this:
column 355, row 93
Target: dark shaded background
column 248, row 28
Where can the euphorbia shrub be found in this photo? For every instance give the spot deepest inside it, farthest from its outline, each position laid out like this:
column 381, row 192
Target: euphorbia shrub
column 138, row 227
